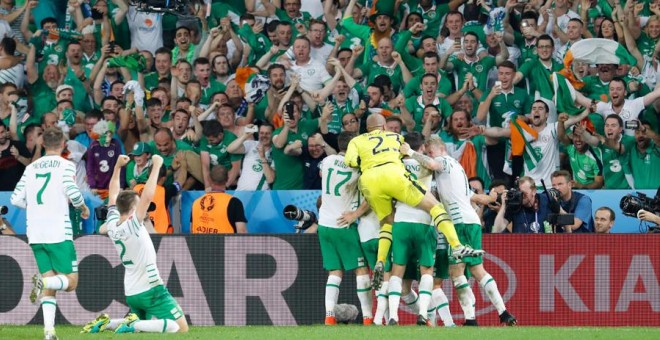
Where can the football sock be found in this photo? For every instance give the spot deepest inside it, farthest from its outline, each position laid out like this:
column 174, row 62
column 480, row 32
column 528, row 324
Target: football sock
column 412, row 301
column 364, row 294
column 465, row 297
column 113, row 324
column 394, row 297
column 381, row 306
column 425, row 287
column 384, row 242
column 156, row 326
column 48, row 307
column 443, row 223
column 432, row 316
column 442, row 306
column 489, row 285
column 59, row 282
column 331, row 294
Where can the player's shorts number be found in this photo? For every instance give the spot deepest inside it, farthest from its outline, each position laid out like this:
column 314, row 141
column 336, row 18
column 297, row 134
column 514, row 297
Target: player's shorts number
column 43, row 187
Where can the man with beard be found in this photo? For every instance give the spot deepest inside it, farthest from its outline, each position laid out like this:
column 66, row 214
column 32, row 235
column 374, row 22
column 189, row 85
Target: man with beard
column 541, row 157
column 163, row 64
column 470, row 152
column 627, row 109
column 76, row 76
column 257, row 172
column 41, row 86
column 202, row 72
column 644, row 158
column 414, row 107
column 382, row 19
column 181, row 129
column 387, row 62
column 586, row 162
column 267, row 107
column 572, row 202
column 471, row 63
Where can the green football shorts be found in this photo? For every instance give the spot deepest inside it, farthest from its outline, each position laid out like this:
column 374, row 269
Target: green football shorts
column 469, row 235
column 156, row 302
column 58, row 257
column 340, row 248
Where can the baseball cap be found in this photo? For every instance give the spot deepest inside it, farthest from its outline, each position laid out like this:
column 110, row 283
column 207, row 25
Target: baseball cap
column 62, row 88
column 140, row 148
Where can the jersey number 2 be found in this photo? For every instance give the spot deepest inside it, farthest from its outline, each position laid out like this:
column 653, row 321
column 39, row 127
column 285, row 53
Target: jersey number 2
column 43, row 187
column 122, row 247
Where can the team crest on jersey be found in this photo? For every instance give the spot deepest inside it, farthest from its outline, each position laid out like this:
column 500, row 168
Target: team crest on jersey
column 431, row 14
column 516, row 103
column 207, row 203
column 390, row 72
column 257, row 167
column 497, row 104
column 111, row 153
column 479, row 68
column 625, row 114
column 58, row 48
column 96, row 154
column 311, row 72
column 304, row 135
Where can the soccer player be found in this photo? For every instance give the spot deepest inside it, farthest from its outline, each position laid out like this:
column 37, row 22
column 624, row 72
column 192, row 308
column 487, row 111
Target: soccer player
column 145, row 293
column 45, row 190
column 454, row 191
column 383, row 178
column 413, row 238
column 338, row 236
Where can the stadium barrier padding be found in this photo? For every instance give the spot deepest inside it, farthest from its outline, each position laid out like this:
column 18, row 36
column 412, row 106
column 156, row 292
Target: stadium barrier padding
column 263, row 209
column 550, row 280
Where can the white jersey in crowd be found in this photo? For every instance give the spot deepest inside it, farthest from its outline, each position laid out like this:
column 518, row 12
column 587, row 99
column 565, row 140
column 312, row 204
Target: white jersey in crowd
column 252, row 172
column 338, row 189
column 547, row 147
column 136, row 253
column 454, row 190
column 630, row 111
column 406, row 213
column 146, row 29
column 45, row 189
column 369, row 227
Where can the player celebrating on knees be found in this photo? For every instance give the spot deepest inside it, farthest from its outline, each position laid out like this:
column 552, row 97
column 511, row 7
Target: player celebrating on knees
column 414, row 239
column 339, row 239
column 383, row 178
column 45, row 189
column 454, row 190
column 145, row 293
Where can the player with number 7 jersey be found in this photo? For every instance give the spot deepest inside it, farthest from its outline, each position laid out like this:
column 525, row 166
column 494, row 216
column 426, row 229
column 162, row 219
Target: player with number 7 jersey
column 45, row 190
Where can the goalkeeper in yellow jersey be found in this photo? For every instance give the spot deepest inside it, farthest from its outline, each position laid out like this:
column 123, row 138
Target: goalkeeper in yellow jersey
column 384, row 177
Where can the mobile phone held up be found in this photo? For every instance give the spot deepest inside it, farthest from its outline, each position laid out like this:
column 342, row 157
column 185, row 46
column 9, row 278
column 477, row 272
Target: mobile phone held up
column 288, row 109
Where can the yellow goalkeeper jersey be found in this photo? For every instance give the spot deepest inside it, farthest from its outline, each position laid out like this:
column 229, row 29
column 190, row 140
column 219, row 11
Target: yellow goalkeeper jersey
column 373, row 149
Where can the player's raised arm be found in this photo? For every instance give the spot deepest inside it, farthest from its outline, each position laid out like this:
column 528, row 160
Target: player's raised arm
column 424, row 160
column 114, row 188
column 352, row 157
column 149, row 187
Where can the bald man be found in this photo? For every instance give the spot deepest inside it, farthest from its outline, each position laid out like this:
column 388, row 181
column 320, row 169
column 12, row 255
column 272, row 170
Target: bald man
column 384, row 177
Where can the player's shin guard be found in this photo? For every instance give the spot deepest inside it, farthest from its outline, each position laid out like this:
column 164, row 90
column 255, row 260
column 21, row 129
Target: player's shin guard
column 425, row 287
column 384, row 242
column 489, row 285
column 394, row 297
column 381, row 306
column 58, row 282
column 156, row 326
column 443, row 223
column 48, row 307
column 465, row 297
column 364, row 294
column 440, row 301
column 412, row 301
column 331, row 294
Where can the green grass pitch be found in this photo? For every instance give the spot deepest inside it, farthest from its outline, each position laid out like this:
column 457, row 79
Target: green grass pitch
column 355, row 332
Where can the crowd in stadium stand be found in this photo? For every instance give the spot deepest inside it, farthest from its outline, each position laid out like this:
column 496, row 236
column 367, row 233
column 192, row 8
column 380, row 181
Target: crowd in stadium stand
column 263, row 87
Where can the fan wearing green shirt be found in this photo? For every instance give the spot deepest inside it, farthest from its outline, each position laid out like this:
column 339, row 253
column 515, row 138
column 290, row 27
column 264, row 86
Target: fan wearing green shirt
column 163, row 65
column 291, row 13
column 213, row 151
column 430, row 64
column 537, row 71
column 586, row 161
column 413, row 110
column 387, row 62
column 644, row 158
column 471, row 63
column 383, row 18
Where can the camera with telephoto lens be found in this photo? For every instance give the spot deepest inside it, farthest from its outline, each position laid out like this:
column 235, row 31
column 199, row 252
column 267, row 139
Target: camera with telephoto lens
column 631, row 204
column 101, row 212
column 555, row 217
column 514, row 199
column 3, row 210
column 305, row 218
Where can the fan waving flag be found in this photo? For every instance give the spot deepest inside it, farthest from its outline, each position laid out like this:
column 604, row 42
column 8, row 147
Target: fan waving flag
column 595, row 51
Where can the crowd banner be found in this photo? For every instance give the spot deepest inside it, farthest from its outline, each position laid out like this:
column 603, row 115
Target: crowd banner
column 545, row 280
column 263, row 209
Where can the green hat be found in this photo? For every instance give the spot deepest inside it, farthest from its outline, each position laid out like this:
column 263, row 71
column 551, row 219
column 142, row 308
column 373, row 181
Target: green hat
column 383, row 7
column 140, row 148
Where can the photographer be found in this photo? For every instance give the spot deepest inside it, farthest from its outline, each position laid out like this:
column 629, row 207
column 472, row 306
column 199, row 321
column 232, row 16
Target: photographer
column 571, row 202
column 5, row 227
column 523, row 210
column 495, row 190
column 649, row 217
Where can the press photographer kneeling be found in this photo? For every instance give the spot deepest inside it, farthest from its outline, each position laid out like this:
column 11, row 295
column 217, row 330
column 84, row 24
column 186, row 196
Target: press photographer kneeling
column 523, row 209
column 571, row 211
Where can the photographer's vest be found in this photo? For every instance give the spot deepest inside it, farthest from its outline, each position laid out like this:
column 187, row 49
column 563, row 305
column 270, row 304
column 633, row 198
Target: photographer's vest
column 209, row 214
column 159, row 217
